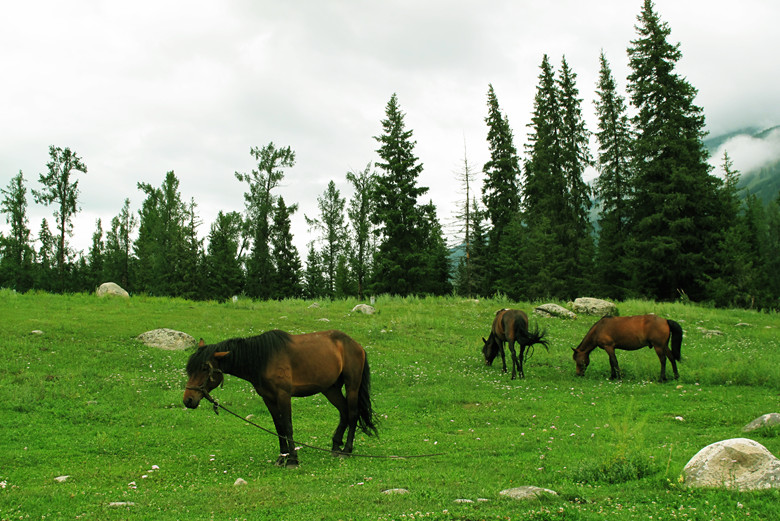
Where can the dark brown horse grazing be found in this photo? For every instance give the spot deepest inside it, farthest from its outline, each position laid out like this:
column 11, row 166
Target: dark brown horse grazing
column 511, row 325
column 280, row 366
column 631, row 333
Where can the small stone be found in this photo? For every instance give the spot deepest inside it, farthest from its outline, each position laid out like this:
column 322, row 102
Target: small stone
column 395, row 491
column 767, row 420
column 61, row 479
column 528, row 492
column 116, row 504
column 36, row 332
column 364, row 308
column 240, row 481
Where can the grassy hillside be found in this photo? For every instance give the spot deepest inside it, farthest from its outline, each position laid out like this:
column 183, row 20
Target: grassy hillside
column 85, row 399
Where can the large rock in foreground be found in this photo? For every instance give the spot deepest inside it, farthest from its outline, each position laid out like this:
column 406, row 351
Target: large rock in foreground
column 168, row 339
column 739, row 464
column 111, row 288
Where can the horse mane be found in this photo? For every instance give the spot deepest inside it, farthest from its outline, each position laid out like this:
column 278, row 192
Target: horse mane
column 249, row 354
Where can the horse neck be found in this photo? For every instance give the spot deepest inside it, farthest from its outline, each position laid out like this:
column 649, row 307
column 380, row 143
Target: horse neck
column 587, row 345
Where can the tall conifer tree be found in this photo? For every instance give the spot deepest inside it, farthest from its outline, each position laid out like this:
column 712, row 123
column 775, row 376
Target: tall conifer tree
column 500, row 189
column 675, row 224
column 260, row 202
column 403, row 263
column 613, row 185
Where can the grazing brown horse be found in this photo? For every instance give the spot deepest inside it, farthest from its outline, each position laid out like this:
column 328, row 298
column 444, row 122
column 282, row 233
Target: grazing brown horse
column 511, row 325
column 631, row 333
column 280, row 366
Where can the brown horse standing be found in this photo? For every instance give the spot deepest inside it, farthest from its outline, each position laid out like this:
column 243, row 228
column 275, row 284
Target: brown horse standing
column 280, row 366
column 631, row 333
column 511, row 325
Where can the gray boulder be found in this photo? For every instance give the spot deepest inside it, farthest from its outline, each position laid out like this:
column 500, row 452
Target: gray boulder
column 594, row 306
column 111, row 288
column 767, row 420
column 738, row 464
column 528, row 492
column 167, row 339
column 553, row 310
column 364, row 308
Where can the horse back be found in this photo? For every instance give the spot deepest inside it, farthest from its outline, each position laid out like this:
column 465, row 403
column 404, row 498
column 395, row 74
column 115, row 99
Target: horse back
column 316, row 361
column 632, row 332
column 507, row 321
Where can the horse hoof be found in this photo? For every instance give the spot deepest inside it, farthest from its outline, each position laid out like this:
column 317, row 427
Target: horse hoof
column 291, row 464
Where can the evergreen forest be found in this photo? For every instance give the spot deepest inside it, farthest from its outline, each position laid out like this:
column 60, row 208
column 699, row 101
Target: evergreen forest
column 658, row 222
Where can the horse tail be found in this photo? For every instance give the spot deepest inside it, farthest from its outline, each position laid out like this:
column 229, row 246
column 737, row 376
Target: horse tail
column 367, row 419
column 676, row 333
column 529, row 337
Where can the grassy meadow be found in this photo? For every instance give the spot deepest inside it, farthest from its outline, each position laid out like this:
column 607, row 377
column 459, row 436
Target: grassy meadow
column 85, row 399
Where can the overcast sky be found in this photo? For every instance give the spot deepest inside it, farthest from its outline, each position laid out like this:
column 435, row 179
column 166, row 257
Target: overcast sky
column 140, row 88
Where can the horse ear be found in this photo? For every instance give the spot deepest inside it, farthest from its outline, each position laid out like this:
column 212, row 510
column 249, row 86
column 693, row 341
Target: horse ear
column 201, row 343
column 221, row 354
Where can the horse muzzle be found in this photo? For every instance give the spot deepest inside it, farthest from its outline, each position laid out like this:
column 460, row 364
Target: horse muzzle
column 191, row 401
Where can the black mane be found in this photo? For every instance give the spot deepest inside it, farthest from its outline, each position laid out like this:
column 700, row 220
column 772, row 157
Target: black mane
column 246, row 354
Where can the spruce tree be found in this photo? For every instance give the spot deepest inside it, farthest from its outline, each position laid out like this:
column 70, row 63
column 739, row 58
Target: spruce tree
column 285, row 281
column 613, row 185
column 16, row 254
column 119, row 260
column 224, row 275
column 674, row 224
column 361, row 207
column 577, row 231
column 556, row 200
column 162, row 240
column 97, row 252
column 314, row 285
column 500, row 189
column 333, row 232
column 403, row 263
column 260, row 201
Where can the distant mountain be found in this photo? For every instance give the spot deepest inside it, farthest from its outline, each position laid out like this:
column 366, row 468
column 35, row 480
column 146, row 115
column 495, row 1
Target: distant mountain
column 763, row 180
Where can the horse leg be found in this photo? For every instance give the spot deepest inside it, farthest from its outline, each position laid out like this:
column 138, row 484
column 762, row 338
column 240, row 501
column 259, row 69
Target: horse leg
column 281, row 411
column 352, row 408
column 670, row 356
column 663, row 353
column 335, row 397
column 503, row 354
column 520, row 360
column 515, row 364
column 613, row 363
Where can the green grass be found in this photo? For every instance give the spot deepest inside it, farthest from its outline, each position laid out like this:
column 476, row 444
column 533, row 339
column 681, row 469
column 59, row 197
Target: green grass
column 85, row 399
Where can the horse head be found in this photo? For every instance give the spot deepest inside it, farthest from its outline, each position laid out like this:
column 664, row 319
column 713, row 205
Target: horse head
column 490, row 349
column 582, row 360
column 204, row 375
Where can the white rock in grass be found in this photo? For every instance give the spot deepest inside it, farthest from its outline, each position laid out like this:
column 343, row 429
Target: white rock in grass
column 168, row 339
column 391, row 491
column 554, row 310
column 117, row 504
column 240, row 481
column 739, row 464
column 111, row 288
column 767, row 420
column 364, row 308
column 61, row 479
column 594, row 306
column 529, row 492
